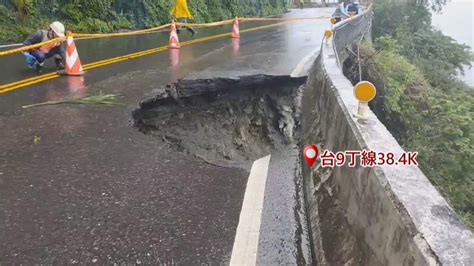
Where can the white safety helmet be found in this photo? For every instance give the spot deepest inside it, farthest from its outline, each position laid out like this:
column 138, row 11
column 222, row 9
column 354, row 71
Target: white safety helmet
column 58, row 28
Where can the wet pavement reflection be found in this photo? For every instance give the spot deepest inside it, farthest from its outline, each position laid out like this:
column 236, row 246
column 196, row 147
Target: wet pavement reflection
column 79, row 185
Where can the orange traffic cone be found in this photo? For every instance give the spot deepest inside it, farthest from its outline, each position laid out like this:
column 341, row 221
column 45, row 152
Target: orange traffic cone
column 174, row 41
column 174, row 57
column 174, row 65
column 235, row 29
column 73, row 66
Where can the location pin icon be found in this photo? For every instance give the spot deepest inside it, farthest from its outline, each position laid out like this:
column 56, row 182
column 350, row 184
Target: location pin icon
column 310, row 154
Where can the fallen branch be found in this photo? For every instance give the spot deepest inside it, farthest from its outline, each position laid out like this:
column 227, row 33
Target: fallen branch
column 107, row 99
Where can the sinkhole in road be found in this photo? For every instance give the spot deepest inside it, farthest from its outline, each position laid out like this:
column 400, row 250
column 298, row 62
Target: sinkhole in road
column 224, row 121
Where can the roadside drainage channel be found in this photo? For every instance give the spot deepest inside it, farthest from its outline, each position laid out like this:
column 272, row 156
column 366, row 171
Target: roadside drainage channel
column 231, row 123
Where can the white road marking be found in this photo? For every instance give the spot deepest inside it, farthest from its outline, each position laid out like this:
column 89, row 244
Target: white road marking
column 303, row 67
column 245, row 247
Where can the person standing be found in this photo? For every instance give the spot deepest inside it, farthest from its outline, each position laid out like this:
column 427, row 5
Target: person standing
column 35, row 57
column 341, row 11
column 353, row 8
column 182, row 14
column 301, row 4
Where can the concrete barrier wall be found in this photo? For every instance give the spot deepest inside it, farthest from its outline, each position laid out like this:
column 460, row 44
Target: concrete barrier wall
column 369, row 216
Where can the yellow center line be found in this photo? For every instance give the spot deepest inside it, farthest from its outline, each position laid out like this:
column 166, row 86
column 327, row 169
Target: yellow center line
column 26, row 80
column 34, row 80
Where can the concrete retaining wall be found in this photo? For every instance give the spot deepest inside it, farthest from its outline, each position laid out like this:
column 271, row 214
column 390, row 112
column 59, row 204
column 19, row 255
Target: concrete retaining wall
column 369, row 216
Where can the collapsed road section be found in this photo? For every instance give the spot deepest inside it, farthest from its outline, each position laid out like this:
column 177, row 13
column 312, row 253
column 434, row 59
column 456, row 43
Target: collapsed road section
column 228, row 122
column 231, row 123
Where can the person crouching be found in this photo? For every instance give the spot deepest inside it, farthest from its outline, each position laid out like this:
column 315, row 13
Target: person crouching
column 37, row 56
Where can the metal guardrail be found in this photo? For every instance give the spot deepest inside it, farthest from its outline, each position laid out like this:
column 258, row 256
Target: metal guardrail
column 346, row 32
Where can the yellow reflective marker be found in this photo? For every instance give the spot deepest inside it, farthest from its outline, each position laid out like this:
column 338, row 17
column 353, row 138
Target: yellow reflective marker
column 327, row 34
column 365, row 91
column 333, row 20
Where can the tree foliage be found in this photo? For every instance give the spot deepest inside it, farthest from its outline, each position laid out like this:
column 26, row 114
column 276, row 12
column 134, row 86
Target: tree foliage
column 422, row 102
column 110, row 15
column 437, row 55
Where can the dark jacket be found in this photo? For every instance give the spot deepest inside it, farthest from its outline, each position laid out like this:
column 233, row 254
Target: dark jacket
column 353, row 8
column 42, row 36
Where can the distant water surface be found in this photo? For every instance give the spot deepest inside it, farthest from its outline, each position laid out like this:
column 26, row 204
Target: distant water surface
column 456, row 20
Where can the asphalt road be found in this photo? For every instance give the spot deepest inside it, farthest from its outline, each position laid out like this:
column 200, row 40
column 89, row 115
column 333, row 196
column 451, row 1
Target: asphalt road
column 79, row 185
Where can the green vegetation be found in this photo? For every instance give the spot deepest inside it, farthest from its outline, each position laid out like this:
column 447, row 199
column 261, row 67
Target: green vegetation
column 423, row 103
column 106, row 99
column 20, row 17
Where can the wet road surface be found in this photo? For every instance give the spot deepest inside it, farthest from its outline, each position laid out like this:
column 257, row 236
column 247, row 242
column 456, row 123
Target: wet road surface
column 79, row 185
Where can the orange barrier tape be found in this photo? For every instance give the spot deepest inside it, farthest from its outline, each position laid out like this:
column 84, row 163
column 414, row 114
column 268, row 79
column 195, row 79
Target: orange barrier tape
column 29, row 47
column 283, row 19
column 203, row 25
column 104, row 35
column 34, row 80
column 82, row 35
column 86, row 35
column 230, row 21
